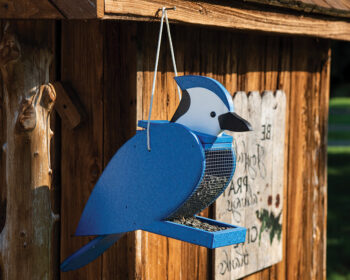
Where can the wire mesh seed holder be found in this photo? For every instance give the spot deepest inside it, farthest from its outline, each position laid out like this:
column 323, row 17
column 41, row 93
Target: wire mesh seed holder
column 163, row 176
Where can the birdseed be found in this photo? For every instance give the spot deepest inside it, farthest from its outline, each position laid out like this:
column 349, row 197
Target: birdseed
column 197, row 223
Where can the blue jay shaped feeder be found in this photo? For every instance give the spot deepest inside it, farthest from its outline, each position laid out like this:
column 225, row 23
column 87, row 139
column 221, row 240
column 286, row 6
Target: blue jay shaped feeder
column 190, row 164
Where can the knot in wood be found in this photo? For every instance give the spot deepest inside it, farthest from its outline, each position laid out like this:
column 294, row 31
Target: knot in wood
column 95, row 172
column 48, row 96
column 9, row 49
column 27, row 116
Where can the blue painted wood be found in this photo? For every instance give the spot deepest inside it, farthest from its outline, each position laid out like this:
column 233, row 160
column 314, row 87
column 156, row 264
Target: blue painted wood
column 143, row 123
column 187, row 82
column 89, row 252
column 211, row 240
column 139, row 187
column 204, row 138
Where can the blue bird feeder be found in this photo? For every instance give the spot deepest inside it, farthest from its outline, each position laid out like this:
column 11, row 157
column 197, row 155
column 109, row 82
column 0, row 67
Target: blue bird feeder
column 161, row 187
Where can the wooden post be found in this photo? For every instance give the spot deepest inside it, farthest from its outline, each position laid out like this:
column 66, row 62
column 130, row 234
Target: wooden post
column 25, row 236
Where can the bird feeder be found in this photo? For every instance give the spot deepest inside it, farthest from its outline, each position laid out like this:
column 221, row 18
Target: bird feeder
column 159, row 187
column 103, row 52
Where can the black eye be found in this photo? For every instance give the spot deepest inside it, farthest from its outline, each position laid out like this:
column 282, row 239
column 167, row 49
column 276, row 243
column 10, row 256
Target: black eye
column 213, row 114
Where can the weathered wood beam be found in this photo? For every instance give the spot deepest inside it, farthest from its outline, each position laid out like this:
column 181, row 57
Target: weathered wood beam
column 231, row 15
column 26, row 237
column 337, row 8
column 33, row 9
column 80, row 9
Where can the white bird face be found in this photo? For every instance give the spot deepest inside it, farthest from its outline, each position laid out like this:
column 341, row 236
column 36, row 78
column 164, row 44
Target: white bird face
column 204, row 111
column 206, row 107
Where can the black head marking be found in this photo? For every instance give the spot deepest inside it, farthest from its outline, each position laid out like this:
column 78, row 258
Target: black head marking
column 183, row 106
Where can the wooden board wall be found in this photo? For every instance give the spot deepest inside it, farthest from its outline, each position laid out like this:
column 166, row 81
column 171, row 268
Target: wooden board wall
column 101, row 70
column 248, row 62
column 35, row 216
column 238, row 15
column 109, row 65
column 3, row 189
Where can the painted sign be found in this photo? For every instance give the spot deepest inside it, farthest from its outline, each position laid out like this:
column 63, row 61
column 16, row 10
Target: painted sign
column 254, row 198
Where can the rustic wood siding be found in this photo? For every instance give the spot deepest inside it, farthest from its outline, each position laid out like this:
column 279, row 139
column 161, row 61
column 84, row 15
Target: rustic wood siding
column 337, row 8
column 29, row 235
column 82, row 149
column 3, row 189
column 109, row 65
column 28, row 9
column 238, row 15
column 299, row 66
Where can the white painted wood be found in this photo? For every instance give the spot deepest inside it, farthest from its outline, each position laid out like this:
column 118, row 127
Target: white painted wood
column 198, row 118
column 255, row 194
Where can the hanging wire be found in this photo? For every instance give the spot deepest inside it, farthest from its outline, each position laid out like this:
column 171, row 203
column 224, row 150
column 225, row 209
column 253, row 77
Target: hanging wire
column 172, row 51
column 154, row 78
column 164, row 15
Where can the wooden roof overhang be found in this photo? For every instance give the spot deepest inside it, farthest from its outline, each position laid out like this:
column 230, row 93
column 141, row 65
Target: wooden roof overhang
column 319, row 18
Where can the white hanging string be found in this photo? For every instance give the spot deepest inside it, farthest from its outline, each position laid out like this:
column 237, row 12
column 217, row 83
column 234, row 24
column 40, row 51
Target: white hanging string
column 164, row 14
column 154, row 78
column 172, row 50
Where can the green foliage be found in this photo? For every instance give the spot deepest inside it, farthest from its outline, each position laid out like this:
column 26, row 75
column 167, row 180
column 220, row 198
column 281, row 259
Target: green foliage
column 339, row 119
column 338, row 241
column 336, row 135
column 338, row 150
column 338, row 226
column 339, row 102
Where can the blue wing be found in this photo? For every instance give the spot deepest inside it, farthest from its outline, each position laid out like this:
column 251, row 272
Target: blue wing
column 139, row 187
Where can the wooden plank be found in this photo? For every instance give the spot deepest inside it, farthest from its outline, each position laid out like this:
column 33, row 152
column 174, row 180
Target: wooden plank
column 240, row 61
column 320, row 210
column 307, row 161
column 337, row 8
column 153, row 247
column 298, row 76
column 27, row 9
column 258, row 69
column 28, row 241
column 82, row 149
column 164, row 257
column 301, row 62
column 119, row 116
column 254, row 198
column 3, row 151
column 236, row 16
column 83, row 9
column 282, row 48
column 80, row 9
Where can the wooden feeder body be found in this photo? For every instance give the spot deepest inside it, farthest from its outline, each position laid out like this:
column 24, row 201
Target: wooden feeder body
column 141, row 189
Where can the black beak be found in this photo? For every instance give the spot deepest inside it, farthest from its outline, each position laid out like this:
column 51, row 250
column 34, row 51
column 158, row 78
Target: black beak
column 233, row 122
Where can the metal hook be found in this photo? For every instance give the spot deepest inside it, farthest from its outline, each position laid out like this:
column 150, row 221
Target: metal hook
column 163, row 9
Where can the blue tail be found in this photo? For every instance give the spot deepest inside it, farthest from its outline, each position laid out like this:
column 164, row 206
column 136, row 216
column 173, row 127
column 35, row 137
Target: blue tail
column 89, row 252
